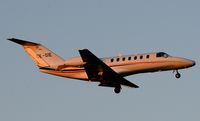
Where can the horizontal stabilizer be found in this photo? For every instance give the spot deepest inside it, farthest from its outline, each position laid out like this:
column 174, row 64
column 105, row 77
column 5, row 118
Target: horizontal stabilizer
column 23, row 42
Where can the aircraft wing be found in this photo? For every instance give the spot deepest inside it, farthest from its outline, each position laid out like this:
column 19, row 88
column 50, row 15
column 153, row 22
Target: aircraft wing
column 97, row 70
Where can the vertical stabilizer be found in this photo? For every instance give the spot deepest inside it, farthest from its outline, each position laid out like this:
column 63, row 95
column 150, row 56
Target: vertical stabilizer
column 42, row 56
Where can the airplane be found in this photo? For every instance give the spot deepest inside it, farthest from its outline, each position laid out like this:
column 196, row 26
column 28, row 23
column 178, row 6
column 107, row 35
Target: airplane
column 109, row 71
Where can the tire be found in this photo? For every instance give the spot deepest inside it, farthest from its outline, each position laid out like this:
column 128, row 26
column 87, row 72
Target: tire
column 117, row 90
column 178, row 75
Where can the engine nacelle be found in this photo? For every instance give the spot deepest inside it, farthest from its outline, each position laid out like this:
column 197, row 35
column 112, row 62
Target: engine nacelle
column 72, row 63
column 75, row 61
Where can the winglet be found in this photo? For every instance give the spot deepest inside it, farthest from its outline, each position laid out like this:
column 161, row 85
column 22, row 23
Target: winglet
column 22, row 42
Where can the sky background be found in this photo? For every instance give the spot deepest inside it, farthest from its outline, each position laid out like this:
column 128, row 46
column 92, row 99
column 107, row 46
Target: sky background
column 107, row 28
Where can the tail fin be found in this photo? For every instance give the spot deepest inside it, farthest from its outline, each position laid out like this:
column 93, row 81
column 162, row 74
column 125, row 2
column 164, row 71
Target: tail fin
column 41, row 55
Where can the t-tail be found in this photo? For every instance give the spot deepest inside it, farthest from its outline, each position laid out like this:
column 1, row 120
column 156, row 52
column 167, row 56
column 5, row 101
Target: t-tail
column 42, row 56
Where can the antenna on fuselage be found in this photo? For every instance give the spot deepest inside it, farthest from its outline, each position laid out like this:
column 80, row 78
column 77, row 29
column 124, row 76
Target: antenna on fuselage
column 120, row 54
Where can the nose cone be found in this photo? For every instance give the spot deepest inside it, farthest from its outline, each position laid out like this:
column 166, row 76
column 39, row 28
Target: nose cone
column 193, row 63
column 190, row 63
column 182, row 63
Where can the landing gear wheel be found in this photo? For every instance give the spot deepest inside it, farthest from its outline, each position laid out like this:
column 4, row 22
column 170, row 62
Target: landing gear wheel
column 178, row 75
column 117, row 90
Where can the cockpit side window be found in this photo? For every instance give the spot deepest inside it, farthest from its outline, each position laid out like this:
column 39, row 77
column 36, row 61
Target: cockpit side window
column 162, row 54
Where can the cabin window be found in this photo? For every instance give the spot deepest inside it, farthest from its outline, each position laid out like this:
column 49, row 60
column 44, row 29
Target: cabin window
column 112, row 60
column 135, row 58
column 117, row 59
column 141, row 57
column 123, row 58
column 129, row 58
column 147, row 56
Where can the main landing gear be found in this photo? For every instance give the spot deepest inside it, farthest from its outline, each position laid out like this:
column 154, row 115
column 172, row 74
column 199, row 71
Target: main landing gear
column 117, row 90
column 177, row 75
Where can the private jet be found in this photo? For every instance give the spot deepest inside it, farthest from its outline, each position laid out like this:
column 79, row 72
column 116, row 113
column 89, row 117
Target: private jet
column 109, row 71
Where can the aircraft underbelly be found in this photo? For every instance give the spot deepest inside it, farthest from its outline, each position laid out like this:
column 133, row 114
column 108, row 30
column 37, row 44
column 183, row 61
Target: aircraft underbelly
column 68, row 74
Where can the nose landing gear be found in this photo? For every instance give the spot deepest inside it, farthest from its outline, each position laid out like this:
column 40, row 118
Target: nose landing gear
column 177, row 75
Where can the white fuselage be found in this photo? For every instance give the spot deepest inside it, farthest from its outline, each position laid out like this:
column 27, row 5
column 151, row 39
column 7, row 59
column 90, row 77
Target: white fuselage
column 108, row 71
column 124, row 65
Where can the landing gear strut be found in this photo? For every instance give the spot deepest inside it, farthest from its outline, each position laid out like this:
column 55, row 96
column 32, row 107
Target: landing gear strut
column 177, row 75
column 117, row 90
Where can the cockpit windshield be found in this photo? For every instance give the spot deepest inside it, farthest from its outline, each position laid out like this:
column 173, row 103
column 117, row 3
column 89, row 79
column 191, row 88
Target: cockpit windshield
column 162, row 54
